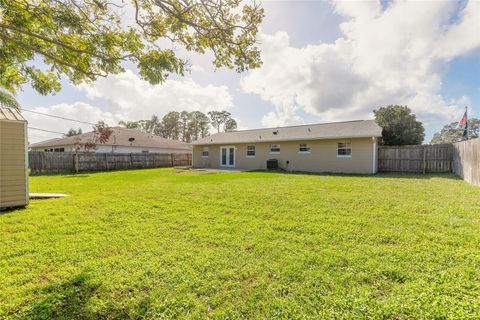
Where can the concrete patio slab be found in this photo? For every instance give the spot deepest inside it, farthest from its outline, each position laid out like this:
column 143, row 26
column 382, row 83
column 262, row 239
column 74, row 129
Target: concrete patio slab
column 47, row 195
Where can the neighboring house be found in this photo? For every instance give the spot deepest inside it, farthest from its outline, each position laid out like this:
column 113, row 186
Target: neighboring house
column 349, row 147
column 121, row 140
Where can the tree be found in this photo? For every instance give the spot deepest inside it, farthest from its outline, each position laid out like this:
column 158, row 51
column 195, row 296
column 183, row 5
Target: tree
column 101, row 134
column 400, row 125
column 454, row 133
column 185, row 119
column 132, row 124
column 153, row 125
column 86, row 39
column 72, row 132
column 7, row 98
column 172, row 125
column 230, row 125
column 198, row 126
column 222, row 119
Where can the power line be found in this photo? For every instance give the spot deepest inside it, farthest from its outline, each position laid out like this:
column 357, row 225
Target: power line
column 45, row 130
column 58, row 117
column 41, row 137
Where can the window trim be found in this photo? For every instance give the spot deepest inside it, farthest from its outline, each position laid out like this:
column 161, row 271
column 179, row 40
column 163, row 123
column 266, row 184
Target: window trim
column 203, row 152
column 254, row 151
column 278, row 146
column 344, row 155
column 304, row 152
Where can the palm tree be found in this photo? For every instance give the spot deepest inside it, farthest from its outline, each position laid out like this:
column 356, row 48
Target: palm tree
column 7, row 99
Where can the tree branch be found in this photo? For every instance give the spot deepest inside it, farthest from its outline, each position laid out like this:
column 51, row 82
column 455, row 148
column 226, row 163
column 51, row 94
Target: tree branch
column 63, row 45
column 89, row 74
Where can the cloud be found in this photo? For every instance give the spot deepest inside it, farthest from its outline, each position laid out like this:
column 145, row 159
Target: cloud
column 131, row 98
column 78, row 111
column 386, row 56
column 127, row 97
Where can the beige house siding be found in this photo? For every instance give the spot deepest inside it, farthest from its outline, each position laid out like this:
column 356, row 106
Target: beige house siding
column 13, row 164
column 322, row 156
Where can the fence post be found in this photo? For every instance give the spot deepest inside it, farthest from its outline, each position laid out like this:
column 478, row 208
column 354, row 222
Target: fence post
column 424, row 159
column 75, row 162
column 131, row 161
column 173, row 160
column 106, row 161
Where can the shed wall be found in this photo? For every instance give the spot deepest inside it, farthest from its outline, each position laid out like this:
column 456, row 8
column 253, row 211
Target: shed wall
column 13, row 168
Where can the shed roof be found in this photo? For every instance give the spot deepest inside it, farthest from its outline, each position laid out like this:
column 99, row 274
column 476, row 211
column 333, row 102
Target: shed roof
column 320, row 131
column 11, row 115
column 119, row 137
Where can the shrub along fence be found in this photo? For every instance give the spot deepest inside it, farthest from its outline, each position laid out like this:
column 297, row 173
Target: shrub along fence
column 466, row 160
column 419, row 159
column 68, row 162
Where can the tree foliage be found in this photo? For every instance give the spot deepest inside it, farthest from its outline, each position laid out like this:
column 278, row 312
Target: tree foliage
column 400, row 125
column 87, row 39
column 454, row 133
column 101, row 134
column 185, row 126
column 72, row 132
column 7, row 99
column 198, row 126
column 222, row 120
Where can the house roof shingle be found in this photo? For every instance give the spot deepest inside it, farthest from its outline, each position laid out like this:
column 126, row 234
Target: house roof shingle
column 119, row 137
column 321, row 131
column 11, row 114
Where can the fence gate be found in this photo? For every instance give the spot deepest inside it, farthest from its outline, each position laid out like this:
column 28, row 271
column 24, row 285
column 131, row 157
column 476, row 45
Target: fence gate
column 419, row 159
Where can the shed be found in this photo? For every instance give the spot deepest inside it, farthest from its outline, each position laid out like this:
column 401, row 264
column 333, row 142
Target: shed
column 13, row 159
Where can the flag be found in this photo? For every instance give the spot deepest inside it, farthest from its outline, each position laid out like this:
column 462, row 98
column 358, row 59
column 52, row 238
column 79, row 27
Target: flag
column 464, row 122
column 464, row 119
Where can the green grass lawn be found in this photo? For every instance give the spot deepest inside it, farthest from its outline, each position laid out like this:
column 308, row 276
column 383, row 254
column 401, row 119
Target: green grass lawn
column 168, row 243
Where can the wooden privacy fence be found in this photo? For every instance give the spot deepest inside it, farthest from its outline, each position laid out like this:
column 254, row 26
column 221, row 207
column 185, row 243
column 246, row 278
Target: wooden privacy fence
column 466, row 160
column 62, row 162
column 420, row 159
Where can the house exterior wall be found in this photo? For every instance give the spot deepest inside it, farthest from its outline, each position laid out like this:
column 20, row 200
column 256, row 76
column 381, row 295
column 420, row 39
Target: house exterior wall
column 322, row 156
column 13, row 164
column 117, row 149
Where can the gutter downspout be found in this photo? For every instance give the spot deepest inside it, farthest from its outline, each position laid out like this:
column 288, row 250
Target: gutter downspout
column 374, row 156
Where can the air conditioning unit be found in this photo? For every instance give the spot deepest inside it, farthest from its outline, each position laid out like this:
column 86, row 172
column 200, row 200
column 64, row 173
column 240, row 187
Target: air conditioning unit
column 272, row 164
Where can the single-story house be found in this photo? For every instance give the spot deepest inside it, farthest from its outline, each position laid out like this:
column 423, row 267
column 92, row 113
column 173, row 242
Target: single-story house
column 345, row 147
column 121, row 140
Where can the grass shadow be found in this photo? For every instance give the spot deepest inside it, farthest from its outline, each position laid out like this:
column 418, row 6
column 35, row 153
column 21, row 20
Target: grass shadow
column 12, row 210
column 66, row 300
column 72, row 300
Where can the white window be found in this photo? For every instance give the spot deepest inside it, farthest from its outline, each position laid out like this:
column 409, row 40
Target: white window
column 274, row 148
column 205, row 152
column 344, row 149
column 304, row 148
column 250, row 151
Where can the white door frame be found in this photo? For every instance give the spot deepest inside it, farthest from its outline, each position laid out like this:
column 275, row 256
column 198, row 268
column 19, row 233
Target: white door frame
column 227, row 158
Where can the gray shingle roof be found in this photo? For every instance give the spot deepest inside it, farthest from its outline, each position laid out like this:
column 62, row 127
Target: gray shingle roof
column 11, row 114
column 119, row 137
column 320, row 131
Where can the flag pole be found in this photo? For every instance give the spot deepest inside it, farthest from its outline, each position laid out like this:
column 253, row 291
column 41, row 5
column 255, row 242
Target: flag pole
column 466, row 123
